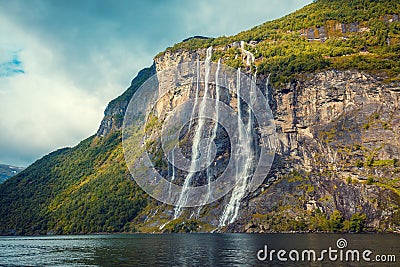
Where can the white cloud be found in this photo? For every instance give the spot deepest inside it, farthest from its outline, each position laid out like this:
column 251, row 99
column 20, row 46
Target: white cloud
column 42, row 109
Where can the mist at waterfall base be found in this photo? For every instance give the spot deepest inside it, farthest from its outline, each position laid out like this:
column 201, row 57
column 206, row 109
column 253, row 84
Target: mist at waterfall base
column 219, row 140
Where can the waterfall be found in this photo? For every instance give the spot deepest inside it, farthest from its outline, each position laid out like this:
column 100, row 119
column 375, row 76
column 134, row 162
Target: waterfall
column 249, row 56
column 231, row 210
column 214, row 133
column 268, row 140
column 250, row 140
column 196, row 99
column 245, row 137
column 172, row 180
column 173, row 173
column 196, row 140
column 267, row 88
column 213, row 137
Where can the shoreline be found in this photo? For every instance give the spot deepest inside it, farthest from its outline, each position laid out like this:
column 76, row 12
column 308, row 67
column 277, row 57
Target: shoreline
column 208, row 233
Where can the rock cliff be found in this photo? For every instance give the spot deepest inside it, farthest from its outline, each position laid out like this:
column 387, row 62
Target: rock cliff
column 338, row 151
column 115, row 111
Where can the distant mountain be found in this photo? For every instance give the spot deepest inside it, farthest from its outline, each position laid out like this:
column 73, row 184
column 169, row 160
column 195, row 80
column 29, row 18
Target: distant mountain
column 8, row 171
column 334, row 72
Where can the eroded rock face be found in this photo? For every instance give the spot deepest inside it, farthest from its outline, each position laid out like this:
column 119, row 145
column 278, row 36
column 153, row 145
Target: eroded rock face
column 327, row 112
column 339, row 145
column 338, row 129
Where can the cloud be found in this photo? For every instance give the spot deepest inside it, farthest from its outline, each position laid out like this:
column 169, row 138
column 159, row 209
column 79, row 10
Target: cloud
column 61, row 62
column 44, row 109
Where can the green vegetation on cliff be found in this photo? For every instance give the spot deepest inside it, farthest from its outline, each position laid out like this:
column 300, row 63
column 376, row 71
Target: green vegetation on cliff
column 355, row 34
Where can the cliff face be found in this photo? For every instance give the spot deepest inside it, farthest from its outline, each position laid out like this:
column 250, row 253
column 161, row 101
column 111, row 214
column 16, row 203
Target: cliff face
column 339, row 144
column 339, row 135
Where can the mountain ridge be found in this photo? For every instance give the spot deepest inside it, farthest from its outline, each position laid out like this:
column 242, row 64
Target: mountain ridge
column 8, row 171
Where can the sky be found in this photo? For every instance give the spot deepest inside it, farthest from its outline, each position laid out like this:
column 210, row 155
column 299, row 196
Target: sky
column 61, row 62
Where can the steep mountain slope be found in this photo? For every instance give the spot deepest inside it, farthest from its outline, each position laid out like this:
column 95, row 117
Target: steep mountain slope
column 7, row 171
column 333, row 68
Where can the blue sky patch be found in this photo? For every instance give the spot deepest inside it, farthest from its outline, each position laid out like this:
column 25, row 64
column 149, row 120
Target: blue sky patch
column 12, row 65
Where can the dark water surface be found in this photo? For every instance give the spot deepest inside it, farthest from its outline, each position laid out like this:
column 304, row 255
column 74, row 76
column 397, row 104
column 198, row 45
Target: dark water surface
column 189, row 249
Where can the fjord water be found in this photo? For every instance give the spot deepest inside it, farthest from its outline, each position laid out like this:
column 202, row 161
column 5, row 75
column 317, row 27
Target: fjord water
column 181, row 249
